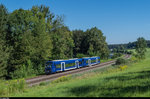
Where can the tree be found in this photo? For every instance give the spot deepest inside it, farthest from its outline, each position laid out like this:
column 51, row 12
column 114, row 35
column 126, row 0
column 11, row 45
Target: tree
column 122, row 49
column 114, row 50
column 78, row 38
column 4, row 50
column 30, row 41
column 63, row 43
column 42, row 44
column 140, row 48
column 19, row 23
column 95, row 37
column 91, row 51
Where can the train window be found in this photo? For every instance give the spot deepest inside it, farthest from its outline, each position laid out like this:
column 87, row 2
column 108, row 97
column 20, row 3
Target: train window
column 70, row 64
column 58, row 66
column 93, row 61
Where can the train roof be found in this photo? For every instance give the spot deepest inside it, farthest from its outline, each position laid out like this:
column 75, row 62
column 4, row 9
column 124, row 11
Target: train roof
column 72, row 58
column 94, row 56
column 57, row 60
column 64, row 60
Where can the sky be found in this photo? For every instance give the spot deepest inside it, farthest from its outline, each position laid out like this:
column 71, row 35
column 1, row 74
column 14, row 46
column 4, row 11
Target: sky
column 121, row 21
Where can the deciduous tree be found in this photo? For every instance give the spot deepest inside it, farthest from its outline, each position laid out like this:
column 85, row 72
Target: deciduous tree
column 4, row 50
column 141, row 48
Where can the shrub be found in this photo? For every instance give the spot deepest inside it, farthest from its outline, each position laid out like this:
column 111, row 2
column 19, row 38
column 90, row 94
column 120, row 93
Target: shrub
column 3, row 88
column 79, row 55
column 21, row 85
column 12, row 86
column 116, row 55
column 62, row 79
column 130, row 52
column 120, row 61
column 30, row 69
column 19, row 73
column 16, row 85
column 24, row 70
column 40, row 69
column 133, row 59
column 123, row 67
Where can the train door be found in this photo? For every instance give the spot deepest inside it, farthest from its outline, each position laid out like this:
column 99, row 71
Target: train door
column 96, row 60
column 77, row 64
column 62, row 66
column 89, row 62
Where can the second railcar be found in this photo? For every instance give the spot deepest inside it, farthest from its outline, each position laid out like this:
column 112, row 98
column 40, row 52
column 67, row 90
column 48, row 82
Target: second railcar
column 89, row 61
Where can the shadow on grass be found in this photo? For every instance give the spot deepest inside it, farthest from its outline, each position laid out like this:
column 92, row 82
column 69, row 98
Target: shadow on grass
column 131, row 76
column 115, row 91
column 82, row 90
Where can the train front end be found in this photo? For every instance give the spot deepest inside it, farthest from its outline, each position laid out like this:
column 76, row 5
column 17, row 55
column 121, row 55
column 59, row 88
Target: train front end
column 48, row 67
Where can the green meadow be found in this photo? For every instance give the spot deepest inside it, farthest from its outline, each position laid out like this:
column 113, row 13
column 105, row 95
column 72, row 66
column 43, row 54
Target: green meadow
column 130, row 80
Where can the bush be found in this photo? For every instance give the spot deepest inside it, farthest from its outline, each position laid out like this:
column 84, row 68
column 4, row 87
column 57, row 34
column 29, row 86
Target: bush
column 62, row 79
column 12, row 86
column 79, row 55
column 19, row 73
column 30, row 69
column 21, row 85
column 116, row 55
column 40, row 69
column 123, row 67
column 3, row 88
column 120, row 61
column 24, row 71
column 133, row 59
column 16, row 85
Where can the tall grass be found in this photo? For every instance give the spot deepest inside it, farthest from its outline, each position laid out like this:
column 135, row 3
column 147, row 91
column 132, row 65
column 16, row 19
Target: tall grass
column 12, row 86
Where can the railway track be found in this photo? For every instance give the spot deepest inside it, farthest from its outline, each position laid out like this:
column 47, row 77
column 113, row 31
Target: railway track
column 44, row 78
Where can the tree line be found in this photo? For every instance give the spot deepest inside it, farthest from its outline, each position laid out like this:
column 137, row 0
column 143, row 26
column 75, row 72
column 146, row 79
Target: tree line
column 28, row 38
column 130, row 45
column 140, row 48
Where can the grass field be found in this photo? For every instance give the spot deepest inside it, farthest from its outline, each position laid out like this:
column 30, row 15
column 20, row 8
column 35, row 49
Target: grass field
column 133, row 81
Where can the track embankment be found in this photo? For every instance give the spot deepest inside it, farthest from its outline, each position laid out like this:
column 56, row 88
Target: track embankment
column 44, row 78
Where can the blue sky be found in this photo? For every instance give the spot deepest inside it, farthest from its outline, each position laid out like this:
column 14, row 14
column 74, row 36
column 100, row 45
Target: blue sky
column 121, row 21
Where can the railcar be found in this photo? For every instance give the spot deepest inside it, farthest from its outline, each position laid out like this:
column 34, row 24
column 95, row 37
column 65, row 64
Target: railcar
column 63, row 65
column 89, row 61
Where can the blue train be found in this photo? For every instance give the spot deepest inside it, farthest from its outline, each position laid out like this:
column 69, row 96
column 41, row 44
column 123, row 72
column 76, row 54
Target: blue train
column 63, row 65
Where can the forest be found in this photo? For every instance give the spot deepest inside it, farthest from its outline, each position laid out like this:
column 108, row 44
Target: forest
column 28, row 38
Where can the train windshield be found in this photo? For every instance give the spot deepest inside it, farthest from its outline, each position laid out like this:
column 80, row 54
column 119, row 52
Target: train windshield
column 48, row 64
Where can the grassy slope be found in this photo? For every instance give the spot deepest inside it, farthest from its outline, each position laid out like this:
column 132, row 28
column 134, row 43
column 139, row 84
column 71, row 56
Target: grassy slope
column 133, row 81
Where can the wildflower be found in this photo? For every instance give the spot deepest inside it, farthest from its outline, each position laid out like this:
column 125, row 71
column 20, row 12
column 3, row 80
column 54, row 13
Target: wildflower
column 123, row 67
